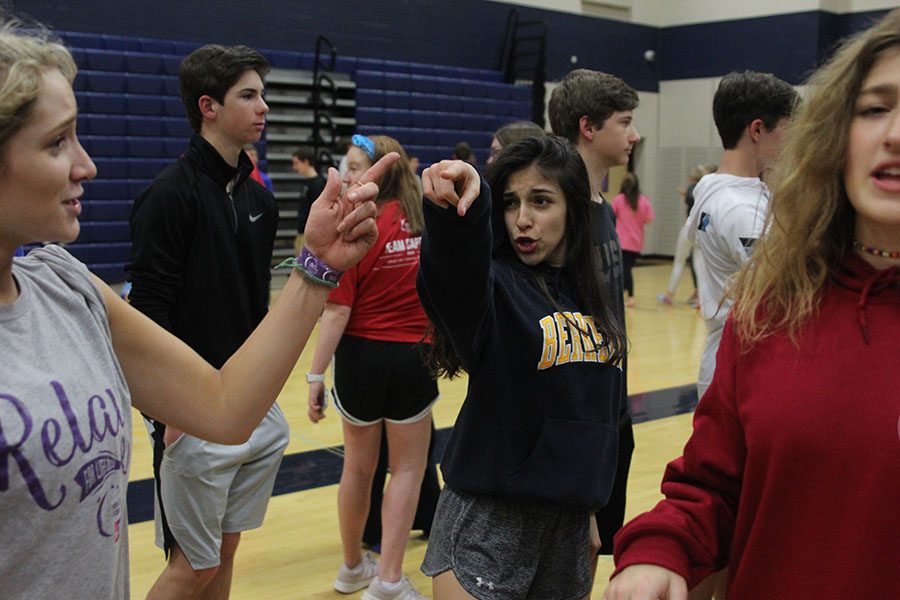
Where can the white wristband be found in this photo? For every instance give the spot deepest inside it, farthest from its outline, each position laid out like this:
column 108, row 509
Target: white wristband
column 315, row 377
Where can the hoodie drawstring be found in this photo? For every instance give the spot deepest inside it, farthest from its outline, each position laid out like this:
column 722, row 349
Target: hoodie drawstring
column 884, row 279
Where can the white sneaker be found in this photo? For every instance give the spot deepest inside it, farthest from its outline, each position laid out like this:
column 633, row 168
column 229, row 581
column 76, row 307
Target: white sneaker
column 404, row 591
column 352, row 580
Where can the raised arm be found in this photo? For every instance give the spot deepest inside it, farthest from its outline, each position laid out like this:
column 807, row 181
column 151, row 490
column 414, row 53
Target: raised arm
column 454, row 266
column 171, row 383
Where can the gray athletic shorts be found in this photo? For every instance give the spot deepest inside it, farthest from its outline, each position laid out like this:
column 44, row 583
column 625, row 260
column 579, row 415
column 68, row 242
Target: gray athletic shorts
column 501, row 550
column 209, row 489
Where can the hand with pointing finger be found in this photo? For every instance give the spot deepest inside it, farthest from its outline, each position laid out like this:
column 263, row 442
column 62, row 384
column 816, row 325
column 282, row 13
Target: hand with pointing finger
column 451, row 183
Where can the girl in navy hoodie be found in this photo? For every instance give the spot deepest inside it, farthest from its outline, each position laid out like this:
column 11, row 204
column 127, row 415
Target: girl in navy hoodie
column 509, row 277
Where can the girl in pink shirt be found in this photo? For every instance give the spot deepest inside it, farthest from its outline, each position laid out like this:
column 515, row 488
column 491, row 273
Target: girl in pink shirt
column 633, row 211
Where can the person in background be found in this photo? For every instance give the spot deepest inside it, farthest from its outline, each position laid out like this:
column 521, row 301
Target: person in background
column 463, row 151
column 203, row 273
column 310, row 185
column 511, row 133
column 414, row 167
column 751, row 111
column 633, row 212
column 373, row 326
column 595, row 112
column 431, row 487
column 257, row 174
column 683, row 246
column 805, row 399
column 343, row 145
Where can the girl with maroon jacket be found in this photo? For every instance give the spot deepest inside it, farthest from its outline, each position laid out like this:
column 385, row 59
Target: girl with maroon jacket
column 804, row 403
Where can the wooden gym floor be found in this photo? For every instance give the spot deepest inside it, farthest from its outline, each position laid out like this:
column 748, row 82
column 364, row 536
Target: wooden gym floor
column 296, row 553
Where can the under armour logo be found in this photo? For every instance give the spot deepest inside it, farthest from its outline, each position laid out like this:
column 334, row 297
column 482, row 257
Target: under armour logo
column 482, row 583
column 255, row 218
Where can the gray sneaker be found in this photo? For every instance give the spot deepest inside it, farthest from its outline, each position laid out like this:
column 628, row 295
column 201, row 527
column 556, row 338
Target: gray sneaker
column 405, row 591
column 352, row 580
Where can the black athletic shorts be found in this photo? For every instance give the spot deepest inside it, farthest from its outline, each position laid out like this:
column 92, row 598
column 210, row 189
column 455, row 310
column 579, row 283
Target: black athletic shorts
column 375, row 380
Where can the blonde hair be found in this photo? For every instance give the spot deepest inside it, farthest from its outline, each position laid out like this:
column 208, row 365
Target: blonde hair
column 25, row 55
column 810, row 223
column 398, row 182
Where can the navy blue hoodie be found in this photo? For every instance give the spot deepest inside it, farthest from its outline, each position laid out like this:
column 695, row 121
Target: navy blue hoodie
column 540, row 420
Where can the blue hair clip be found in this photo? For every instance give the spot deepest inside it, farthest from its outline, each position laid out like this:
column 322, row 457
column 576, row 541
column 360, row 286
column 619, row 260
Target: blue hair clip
column 367, row 145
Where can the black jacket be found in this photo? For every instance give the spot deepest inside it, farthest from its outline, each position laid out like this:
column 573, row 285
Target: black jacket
column 540, row 419
column 200, row 257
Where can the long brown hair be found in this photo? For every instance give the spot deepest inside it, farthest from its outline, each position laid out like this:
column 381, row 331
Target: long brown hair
column 558, row 161
column 631, row 189
column 398, row 182
column 810, row 222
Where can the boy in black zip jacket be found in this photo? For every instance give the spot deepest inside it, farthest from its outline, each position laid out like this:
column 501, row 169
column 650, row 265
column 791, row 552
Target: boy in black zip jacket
column 508, row 277
column 202, row 237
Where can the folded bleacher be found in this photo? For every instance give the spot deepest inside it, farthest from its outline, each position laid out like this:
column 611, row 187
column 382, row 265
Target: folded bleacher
column 132, row 122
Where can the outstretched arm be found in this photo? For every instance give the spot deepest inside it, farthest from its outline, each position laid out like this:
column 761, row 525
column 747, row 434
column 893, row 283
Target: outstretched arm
column 172, row 384
column 454, row 279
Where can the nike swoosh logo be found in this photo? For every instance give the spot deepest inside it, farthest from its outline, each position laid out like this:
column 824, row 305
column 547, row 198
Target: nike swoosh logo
column 255, row 218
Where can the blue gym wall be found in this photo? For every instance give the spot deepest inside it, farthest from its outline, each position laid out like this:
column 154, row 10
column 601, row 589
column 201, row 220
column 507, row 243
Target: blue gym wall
column 469, row 33
column 466, row 33
column 790, row 45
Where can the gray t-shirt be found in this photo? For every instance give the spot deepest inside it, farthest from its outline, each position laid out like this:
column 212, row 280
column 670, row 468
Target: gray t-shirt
column 65, row 438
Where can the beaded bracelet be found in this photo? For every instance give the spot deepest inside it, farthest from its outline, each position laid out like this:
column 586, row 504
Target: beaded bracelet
column 313, row 268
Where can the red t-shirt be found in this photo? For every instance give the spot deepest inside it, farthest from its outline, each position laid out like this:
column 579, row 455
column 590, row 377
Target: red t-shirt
column 381, row 289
